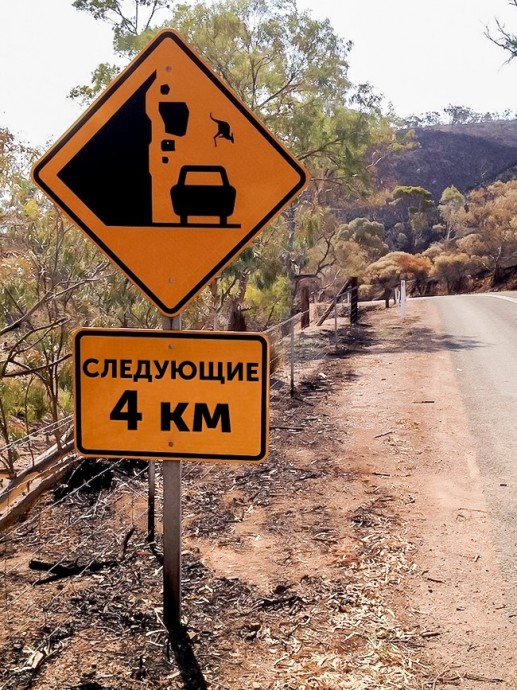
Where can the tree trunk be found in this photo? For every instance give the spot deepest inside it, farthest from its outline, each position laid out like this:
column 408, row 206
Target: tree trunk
column 497, row 274
column 291, row 236
column 304, row 298
column 387, row 292
column 237, row 322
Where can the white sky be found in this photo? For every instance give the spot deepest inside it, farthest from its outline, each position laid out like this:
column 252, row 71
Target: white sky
column 421, row 54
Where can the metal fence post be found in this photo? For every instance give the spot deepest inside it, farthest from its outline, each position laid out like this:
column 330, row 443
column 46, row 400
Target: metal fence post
column 151, row 470
column 335, row 321
column 402, row 299
column 292, row 358
column 354, row 298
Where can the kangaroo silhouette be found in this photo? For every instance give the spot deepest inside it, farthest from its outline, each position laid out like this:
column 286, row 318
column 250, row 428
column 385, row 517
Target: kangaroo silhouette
column 223, row 130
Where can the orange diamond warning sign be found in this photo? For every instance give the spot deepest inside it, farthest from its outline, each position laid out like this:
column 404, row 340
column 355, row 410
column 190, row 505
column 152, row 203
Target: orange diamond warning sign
column 169, row 173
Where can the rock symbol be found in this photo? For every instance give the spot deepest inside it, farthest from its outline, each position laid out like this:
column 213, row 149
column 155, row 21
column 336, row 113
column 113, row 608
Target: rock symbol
column 223, row 130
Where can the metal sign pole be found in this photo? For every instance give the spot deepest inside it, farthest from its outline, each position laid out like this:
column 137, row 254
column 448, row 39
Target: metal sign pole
column 171, row 528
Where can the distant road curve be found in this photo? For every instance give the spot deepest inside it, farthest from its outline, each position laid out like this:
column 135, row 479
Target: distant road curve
column 484, row 326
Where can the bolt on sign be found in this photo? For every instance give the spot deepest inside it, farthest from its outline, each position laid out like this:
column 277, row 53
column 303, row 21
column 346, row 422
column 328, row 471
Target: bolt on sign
column 171, row 394
column 169, row 173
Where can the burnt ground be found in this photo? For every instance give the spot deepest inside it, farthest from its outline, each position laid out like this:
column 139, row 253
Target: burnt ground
column 309, row 571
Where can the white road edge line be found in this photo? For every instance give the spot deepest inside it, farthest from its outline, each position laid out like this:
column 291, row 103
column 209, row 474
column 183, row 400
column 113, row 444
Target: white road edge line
column 510, row 299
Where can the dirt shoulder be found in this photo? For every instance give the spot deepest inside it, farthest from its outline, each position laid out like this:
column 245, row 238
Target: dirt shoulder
column 359, row 556
column 456, row 590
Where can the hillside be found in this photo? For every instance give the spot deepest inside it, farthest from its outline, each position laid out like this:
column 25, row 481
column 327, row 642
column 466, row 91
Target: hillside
column 465, row 156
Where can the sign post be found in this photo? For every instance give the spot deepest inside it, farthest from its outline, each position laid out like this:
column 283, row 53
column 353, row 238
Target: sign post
column 172, row 176
column 172, row 528
column 172, row 544
column 172, row 395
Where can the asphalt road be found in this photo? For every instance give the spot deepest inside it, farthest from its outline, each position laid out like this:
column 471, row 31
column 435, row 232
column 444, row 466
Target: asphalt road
column 482, row 332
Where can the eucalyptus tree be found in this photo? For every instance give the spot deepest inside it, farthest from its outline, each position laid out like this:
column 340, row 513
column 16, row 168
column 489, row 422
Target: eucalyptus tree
column 46, row 273
column 451, row 202
column 489, row 227
column 131, row 21
column 416, row 212
column 369, row 234
column 52, row 280
column 503, row 37
column 453, row 268
column 292, row 71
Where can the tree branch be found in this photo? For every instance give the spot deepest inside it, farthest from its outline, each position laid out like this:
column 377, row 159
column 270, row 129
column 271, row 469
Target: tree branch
column 288, row 87
column 27, row 314
column 34, row 370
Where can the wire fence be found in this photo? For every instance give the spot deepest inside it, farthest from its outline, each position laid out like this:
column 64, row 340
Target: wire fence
column 61, row 425
column 294, row 354
column 96, row 519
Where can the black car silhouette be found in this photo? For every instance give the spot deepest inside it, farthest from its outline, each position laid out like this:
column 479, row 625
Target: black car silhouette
column 203, row 190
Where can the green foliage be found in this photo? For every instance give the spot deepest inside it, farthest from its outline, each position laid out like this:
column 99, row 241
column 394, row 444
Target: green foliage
column 490, row 217
column 425, row 120
column 101, row 77
column 132, row 29
column 292, row 70
column 269, row 304
column 415, row 198
column 121, row 305
column 351, row 259
column 25, row 402
column 481, row 235
column 126, row 18
column 315, row 239
column 368, row 234
column 451, row 202
column 268, row 51
column 459, row 114
column 52, row 280
column 416, row 213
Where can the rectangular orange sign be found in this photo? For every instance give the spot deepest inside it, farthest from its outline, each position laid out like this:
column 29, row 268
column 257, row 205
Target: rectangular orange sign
column 171, row 394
